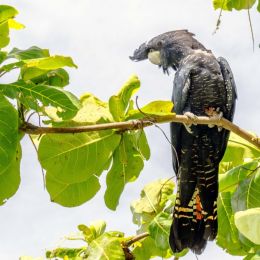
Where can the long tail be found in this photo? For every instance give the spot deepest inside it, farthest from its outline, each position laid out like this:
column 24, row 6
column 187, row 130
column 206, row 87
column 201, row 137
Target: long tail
column 195, row 211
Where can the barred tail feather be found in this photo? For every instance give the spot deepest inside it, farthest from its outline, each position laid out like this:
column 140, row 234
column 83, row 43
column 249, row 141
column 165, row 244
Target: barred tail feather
column 192, row 226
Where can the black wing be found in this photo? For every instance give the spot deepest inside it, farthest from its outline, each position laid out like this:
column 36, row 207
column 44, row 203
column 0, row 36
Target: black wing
column 181, row 87
column 231, row 96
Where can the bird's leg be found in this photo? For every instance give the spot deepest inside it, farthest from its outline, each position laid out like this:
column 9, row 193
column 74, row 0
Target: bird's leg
column 193, row 117
column 214, row 113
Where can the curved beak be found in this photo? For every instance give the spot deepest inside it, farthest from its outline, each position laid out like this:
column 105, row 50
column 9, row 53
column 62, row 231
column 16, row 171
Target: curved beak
column 141, row 53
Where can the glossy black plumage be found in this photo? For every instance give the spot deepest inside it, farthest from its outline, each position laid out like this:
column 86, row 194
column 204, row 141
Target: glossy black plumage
column 203, row 85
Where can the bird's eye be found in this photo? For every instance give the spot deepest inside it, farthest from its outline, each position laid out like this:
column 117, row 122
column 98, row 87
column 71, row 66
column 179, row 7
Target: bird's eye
column 159, row 44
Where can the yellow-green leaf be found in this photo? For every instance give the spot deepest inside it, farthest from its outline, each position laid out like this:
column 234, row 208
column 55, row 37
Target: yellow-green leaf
column 74, row 158
column 15, row 25
column 248, row 223
column 50, row 63
column 155, row 108
column 118, row 104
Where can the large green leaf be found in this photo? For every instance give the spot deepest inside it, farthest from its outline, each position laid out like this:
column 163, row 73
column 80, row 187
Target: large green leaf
column 258, row 9
column 7, row 12
column 231, row 179
column 227, row 236
column 6, row 22
column 74, row 158
column 71, row 194
column 236, row 4
column 248, row 223
column 8, row 133
column 4, row 34
column 105, row 247
column 247, row 194
column 33, row 52
column 10, row 178
column 93, row 110
column 118, row 104
column 238, row 152
column 159, row 230
column 66, row 102
column 155, row 108
column 50, row 63
column 127, row 164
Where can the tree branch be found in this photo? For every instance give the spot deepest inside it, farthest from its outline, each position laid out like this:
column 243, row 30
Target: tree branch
column 135, row 239
column 141, row 123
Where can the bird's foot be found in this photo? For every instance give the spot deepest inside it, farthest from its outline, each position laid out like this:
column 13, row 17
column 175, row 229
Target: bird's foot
column 194, row 121
column 214, row 113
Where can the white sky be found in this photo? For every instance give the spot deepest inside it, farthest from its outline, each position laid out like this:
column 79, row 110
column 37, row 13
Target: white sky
column 100, row 35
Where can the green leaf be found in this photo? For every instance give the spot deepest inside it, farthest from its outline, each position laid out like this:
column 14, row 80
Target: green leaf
column 8, row 133
column 126, row 167
column 58, row 78
column 155, row 108
column 230, row 4
column 50, row 63
column 146, row 250
column 258, row 6
column 33, row 52
column 105, row 247
column 140, row 143
column 247, row 194
column 153, row 197
column 159, row 230
column 239, row 151
column 95, row 230
column 248, row 223
column 93, row 110
column 4, row 34
column 231, row 179
column 10, row 178
column 227, row 236
column 71, row 194
column 11, row 66
column 66, row 102
column 7, row 12
column 71, row 253
column 74, row 158
column 3, row 56
column 118, row 104
column 252, row 256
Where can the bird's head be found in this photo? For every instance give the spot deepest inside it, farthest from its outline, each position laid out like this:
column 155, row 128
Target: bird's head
column 168, row 49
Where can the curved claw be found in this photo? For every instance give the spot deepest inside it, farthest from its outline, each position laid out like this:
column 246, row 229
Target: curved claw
column 193, row 117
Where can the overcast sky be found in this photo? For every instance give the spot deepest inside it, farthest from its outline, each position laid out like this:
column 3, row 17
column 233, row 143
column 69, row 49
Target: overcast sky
column 100, row 35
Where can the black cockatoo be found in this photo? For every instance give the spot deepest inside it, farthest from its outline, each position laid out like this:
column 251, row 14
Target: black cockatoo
column 203, row 86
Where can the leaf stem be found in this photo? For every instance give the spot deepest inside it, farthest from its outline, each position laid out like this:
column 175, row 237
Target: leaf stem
column 141, row 123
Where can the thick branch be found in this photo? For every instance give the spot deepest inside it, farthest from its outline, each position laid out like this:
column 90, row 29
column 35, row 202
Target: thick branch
column 141, row 123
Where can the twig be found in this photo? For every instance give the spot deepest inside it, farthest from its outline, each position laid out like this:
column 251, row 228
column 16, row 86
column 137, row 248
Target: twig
column 138, row 124
column 251, row 26
column 135, row 239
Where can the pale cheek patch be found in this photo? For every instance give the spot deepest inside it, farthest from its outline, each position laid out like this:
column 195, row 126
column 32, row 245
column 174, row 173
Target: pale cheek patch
column 154, row 57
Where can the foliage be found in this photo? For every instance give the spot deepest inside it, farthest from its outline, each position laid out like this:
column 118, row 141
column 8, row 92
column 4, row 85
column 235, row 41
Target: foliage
column 239, row 199
column 74, row 162
column 229, row 5
column 152, row 214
